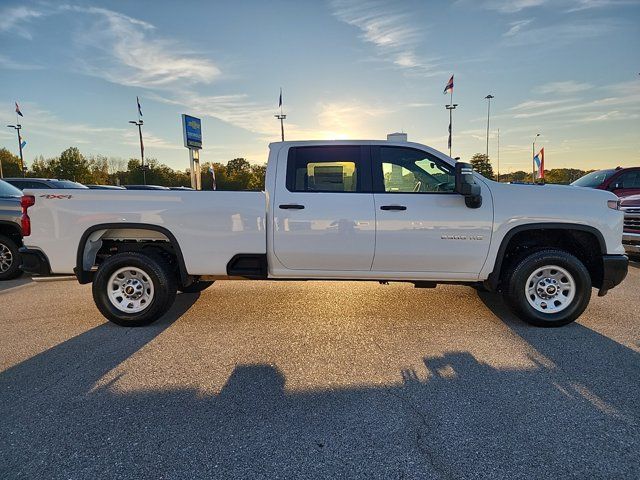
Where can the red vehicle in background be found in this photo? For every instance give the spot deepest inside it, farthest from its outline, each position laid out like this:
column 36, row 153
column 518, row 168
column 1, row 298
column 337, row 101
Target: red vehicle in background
column 621, row 181
column 631, row 234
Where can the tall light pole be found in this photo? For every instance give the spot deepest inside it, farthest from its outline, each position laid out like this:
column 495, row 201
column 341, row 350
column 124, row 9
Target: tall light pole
column 488, row 98
column 139, row 123
column 498, row 155
column 533, row 156
column 17, row 128
column 451, row 107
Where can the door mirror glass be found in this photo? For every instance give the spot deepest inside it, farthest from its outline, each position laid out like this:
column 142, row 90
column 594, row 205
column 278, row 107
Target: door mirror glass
column 466, row 185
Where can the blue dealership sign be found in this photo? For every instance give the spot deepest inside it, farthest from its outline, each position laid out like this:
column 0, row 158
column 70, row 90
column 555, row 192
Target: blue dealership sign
column 192, row 131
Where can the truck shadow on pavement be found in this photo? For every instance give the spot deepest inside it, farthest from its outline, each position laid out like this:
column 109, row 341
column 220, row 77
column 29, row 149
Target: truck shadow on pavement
column 573, row 415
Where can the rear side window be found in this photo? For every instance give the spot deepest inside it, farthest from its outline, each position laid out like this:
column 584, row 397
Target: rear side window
column 325, row 169
column 67, row 184
column 22, row 184
column 8, row 190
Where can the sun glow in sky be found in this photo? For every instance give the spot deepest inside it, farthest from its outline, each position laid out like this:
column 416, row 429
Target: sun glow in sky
column 349, row 69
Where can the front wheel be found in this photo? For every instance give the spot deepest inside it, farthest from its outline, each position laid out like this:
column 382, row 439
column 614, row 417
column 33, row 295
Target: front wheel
column 548, row 288
column 132, row 289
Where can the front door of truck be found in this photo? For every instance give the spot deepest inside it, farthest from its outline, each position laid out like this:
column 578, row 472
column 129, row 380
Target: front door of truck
column 323, row 209
column 422, row 224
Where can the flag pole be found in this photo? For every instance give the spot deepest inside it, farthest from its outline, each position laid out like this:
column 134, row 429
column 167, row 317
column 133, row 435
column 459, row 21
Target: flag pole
column 281, row 117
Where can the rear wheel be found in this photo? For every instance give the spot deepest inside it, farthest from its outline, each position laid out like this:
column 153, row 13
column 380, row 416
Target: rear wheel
column 132, row 289
column 9, row 259
column 196, row 287
column 548, row 288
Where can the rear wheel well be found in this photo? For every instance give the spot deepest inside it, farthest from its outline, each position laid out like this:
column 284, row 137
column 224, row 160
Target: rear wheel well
column 98, row 244
column 583, row 244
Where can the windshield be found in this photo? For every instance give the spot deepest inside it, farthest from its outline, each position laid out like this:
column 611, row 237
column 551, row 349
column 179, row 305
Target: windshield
column 66, row 184
column 7, row 190
column 594, row 179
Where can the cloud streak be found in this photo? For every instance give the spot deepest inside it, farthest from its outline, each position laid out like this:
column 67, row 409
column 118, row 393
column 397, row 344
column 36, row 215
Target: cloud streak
column 14, row 20
column 131, row 53
column 391, row 32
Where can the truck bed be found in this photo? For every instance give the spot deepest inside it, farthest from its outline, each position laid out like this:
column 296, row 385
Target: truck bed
column 210, row 227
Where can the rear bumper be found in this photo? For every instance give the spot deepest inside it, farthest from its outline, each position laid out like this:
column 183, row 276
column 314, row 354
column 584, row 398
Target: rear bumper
column 614, row 270
column 34, row 262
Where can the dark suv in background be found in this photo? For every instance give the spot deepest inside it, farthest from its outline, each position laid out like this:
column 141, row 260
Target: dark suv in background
column 23, row 183
column 10, row 231
column 621, row 181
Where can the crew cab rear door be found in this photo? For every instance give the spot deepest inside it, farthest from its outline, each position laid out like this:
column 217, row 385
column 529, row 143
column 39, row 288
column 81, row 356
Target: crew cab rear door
column 422, row 224
column 323, row 211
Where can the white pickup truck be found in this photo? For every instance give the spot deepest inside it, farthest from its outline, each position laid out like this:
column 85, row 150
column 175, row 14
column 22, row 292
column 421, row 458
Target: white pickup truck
column 335, row 210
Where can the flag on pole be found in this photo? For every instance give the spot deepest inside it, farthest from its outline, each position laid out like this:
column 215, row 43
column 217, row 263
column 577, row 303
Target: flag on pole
column 139, row 107
column 213, row 177
column 24, row 143
column 539, row 160
column 18, row 110
column 280, row 100
column 449, row 88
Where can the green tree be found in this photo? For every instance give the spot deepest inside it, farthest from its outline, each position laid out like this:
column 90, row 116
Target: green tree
column 258, row 173
column 72, row 166
column 482, row 165
column 99, row 169
column 10, row 163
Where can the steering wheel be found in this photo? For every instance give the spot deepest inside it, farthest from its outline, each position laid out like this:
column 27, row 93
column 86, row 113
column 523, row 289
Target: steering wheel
column 418, row 186
column 441, row 187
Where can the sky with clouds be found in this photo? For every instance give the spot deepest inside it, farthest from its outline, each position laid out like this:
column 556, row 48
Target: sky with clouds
column 567, row 69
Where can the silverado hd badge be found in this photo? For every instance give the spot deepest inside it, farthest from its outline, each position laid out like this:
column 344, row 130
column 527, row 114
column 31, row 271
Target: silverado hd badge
column 461, row 237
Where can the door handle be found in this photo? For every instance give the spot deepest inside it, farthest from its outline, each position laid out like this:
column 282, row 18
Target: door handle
column 393, row 207
column 291, row 206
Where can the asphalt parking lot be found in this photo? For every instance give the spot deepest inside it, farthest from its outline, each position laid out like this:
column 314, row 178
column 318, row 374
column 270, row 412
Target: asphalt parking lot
column 317, row 380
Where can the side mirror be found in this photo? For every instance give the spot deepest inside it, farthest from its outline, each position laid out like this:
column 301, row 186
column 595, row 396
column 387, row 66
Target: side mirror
column 615, row 186
column 466, row 185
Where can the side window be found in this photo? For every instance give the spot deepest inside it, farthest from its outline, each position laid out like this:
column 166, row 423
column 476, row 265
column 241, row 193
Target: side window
column 407, row 170
column 324, row 169
column 630, row 180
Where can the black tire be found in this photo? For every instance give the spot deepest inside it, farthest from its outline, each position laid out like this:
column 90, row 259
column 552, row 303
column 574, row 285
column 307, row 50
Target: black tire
column 9, row 258
column 196, row 287
column 515, row 282
column 159, row 274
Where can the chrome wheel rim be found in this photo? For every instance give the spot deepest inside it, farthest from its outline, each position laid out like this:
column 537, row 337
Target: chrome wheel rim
column 6, row 258
column 130, row 290
column 550, row 289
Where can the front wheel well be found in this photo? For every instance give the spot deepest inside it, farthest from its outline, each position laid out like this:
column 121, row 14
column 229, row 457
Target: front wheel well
column 580, row 242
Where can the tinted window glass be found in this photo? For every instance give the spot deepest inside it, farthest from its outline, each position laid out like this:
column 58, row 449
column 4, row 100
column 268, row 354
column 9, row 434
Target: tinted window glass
column 406, row 170
column 66, row 184
column 629, row 180
column 8, row 190
column 594, row 179
column 324, row 169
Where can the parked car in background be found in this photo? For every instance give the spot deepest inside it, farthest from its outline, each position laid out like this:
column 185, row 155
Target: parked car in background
column 631, row 234
column 621, row 181
column 181, row 188
column 10, row 231
column 145, row 187
column 23, row 183
column 105, row 187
